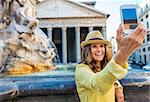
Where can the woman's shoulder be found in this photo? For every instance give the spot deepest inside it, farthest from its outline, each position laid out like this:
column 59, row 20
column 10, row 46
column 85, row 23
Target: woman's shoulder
column 81, row 65
column 82, row 68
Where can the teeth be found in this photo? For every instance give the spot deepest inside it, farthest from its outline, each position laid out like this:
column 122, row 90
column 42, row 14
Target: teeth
column 98, row 54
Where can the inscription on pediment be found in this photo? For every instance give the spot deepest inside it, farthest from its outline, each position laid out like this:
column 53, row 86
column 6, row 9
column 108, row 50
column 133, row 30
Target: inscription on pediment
column 72, row 22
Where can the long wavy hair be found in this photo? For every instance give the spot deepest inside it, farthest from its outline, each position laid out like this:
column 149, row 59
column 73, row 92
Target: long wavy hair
column 86, row 58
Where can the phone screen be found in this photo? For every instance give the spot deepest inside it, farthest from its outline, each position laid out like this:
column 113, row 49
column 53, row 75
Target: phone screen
column 129, row 18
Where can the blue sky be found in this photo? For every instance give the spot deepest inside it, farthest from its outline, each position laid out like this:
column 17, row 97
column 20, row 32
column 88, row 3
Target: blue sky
column 112, row 7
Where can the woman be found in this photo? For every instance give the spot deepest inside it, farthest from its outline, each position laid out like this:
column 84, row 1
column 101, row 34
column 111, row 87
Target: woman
column 98, row 73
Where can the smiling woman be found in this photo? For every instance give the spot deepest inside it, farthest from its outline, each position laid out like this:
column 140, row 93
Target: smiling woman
column 94, row 51
column 95, row 54
column 97, row 74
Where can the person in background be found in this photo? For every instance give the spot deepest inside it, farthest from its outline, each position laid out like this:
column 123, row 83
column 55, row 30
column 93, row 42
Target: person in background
column 98, row 72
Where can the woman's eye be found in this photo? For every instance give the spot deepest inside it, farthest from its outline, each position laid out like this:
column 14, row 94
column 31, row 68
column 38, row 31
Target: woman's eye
column 93, row 46
column 102, row 45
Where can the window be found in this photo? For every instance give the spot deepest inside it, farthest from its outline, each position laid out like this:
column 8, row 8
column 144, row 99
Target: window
column 145, row 60
column 142, row 20
column 147, row 25
column 140, row 58
column 139, row 51
column 143, row 49
column 146, row 5
column 146, row 16
column 148, row 37
column 148, row 48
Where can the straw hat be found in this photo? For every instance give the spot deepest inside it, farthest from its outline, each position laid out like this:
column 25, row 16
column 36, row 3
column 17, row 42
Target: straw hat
column 94, row 37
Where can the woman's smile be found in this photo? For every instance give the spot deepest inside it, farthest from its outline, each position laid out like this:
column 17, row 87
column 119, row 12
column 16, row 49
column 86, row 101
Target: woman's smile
column 97, row 51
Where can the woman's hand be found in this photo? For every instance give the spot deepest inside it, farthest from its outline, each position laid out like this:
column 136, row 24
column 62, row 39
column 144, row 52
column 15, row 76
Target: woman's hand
column 119, row 95
column 129, row 43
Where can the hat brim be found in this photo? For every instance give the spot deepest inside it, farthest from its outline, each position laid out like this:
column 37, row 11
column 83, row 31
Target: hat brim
column 84, row 43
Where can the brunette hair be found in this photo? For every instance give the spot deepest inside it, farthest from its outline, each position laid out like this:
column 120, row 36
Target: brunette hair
column 86, row 58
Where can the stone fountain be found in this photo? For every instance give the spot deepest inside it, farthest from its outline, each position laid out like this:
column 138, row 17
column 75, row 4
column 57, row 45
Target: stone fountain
column 26, row 58
column 24, row 47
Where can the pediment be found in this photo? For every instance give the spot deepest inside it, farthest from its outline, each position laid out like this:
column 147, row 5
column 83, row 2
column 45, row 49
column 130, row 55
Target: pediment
column 66, row 8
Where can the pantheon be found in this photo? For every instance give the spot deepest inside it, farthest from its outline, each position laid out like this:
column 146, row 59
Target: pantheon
column 67, row 22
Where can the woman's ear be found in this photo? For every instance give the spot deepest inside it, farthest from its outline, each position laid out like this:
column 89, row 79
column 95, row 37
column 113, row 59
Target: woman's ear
column 109, row 51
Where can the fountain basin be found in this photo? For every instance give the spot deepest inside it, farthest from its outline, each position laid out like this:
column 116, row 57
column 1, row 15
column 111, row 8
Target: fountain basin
column 59, row 85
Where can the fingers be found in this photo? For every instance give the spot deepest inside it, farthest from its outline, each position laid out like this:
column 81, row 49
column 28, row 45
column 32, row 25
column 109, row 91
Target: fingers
column 142, row 35
column 119, row 36
column 138, row 29
column 119, row 33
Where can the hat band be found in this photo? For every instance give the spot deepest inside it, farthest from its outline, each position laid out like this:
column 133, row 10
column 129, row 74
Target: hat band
column 96, row 39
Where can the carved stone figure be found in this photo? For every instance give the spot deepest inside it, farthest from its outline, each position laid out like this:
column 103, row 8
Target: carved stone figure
column 24, row 47
column 27, row 53
column 14, row 12
column 9, row 9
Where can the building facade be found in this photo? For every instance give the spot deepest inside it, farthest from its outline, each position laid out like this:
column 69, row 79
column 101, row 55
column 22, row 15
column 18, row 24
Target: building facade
column 66, row 23
column 143, row 53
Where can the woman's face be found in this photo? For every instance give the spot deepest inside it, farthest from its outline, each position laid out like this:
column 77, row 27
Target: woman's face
column 97, row 51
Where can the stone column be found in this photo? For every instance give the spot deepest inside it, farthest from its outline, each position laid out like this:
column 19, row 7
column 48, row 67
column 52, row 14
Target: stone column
column 64, row 45
column 78, row 51
column 49, row 33
column 90, row 29
column 104, row 32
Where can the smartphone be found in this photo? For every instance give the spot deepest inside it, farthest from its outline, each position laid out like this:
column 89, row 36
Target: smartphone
column 129, row 18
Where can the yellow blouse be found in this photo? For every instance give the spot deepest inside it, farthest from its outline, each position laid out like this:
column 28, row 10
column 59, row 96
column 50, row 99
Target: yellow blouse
column 98, row 87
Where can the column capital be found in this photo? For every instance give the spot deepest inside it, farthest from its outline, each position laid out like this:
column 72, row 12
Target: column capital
column 64, row 28
column 49, row 33
column 90, row 29
column 49, row 28
column 77, row 29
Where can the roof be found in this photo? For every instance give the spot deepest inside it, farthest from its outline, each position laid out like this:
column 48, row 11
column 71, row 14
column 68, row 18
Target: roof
column 66, row 8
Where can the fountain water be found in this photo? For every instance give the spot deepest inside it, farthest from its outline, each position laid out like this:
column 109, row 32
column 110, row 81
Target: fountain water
column 56, row 58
